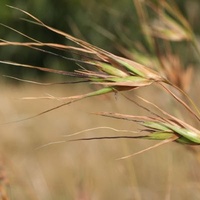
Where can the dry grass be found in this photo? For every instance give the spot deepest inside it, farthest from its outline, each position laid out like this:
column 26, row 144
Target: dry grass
column 87, row 169
column 116, row 74
column 42, row 150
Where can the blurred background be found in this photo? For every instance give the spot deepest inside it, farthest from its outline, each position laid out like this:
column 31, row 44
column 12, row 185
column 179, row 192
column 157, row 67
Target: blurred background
column 35, row 160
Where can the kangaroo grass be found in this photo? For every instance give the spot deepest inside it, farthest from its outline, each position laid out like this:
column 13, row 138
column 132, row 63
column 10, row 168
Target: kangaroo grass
column 114, row 74
column 161, row 130
column 167, row 129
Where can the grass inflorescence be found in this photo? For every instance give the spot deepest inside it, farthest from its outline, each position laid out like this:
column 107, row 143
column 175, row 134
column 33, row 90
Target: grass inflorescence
column 146, row 66
column 115, row 74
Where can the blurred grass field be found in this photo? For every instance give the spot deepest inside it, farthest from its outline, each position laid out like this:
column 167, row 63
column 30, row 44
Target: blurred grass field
column 86, row 169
